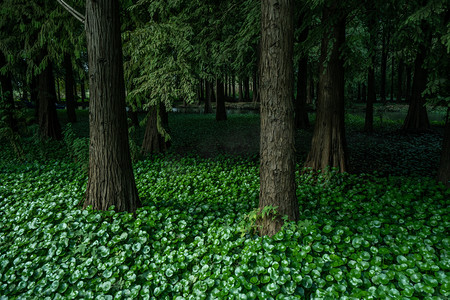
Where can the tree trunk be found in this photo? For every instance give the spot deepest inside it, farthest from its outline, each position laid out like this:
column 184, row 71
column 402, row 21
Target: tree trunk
column 255, row 86
column 277, row 167
column 310, row 84
column 400, row 81
column 221, row 113
column 83, row 91
column 233, row 86
column 7, row 95
column 153, row 141
column 301, row 115
column 111, row 180
column 201, row 91
column 209, row 96
column 363, row 93
column 408, row 84
column 70, row 100
column 371, row 92
column 246, row 86
column 417, row 117
column 49, row 126
column 444, row 167
column 392, row 77
column 58, row 90
column 241, row 91
column 328, row 146
column 384, row 52
column 358, row 95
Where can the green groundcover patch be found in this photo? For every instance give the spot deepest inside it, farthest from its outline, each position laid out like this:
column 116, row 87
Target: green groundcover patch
column 359, row 237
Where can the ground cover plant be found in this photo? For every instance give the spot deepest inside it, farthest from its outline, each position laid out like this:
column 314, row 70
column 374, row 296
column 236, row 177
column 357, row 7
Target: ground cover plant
column 360, row 236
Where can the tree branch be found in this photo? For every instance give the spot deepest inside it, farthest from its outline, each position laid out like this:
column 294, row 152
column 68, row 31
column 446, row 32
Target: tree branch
column 72, row 11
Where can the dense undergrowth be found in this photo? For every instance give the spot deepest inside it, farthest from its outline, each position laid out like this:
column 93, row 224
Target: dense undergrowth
column 360, row 236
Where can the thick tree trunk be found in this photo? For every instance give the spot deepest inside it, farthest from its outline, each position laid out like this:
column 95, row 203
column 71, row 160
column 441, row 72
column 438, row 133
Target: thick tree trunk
column 7, row 96
column 49, row 126
column 444, row 167
column 417, row 117
column 277, row 168
column 209, row 96
column 153, row 141
column 70, row 100
column 400, row 81
column 328, row 147
column 221, row 113
column 111, row 179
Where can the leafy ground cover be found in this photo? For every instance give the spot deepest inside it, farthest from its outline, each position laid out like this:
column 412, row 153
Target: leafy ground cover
column 360, row 236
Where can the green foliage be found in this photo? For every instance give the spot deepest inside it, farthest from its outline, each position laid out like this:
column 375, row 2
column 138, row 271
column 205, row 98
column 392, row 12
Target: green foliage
column 77, row 147
column 250, row 222
column 360, row 236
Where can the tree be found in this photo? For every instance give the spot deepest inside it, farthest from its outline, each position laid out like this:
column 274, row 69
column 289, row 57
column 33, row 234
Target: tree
column 328, row 146
column 371, row 92
column 277, row 168
column 156, row 138
column 6, row 95
column 111, row 180
column 70, row 98
column 221, row 113
column 444, row 167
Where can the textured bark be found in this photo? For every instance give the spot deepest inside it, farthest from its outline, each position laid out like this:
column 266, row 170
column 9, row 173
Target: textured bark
column 363, row 93
column 209, row 96
column 310, row 86
column 49, row 126
column 221, row 113
column 328, row 146
column 277, row 168
column 153, row 141
column 400, row 81
column 70, row 99
column 7, row 95
column 111, row 178
column 417, row 117
column 392, row 77
column 444, row 167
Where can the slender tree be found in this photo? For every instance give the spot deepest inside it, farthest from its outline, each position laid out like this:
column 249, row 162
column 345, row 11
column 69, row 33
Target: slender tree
column 277, row 168
column 371, row 92
column 328, row 146
column 221, row 113
column 111, row 180
column 154, row 141
column 70, row 98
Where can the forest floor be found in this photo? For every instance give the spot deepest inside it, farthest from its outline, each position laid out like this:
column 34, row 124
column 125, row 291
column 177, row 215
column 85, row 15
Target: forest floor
column 381, row 233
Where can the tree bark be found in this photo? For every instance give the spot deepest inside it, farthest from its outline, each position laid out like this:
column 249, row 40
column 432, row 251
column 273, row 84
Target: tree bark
column 358, row 95
column 408, row 84
column 444, row 167
column 400, row 81
column 371, row 92
column 277, row 167
column 417, row 117
column 241, row 91
column 233, row 86
column 7, row 95
column 49, row 126
column 83, row 91
column 328, row 146
column 392, row 77
column 153, row 141
column 363, row 93
column 255, row 86
column 221, row 113
column 70, row 100
column 111, row 180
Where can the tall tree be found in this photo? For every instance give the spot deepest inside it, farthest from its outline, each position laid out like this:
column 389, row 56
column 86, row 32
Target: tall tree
column 221, row 113
column 49, row 126
column 328, row 146
column 69, row 83
column 301, row 115
column 7, row 99
column 371, row 92
column 277, row 167
column 111, row 180
column 154, row 141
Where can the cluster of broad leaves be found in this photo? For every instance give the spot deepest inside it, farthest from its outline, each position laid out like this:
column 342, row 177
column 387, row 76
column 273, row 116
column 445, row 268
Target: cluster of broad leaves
column 358, row 237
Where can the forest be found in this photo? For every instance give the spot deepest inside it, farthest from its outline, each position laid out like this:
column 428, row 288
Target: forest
column 224, row 149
